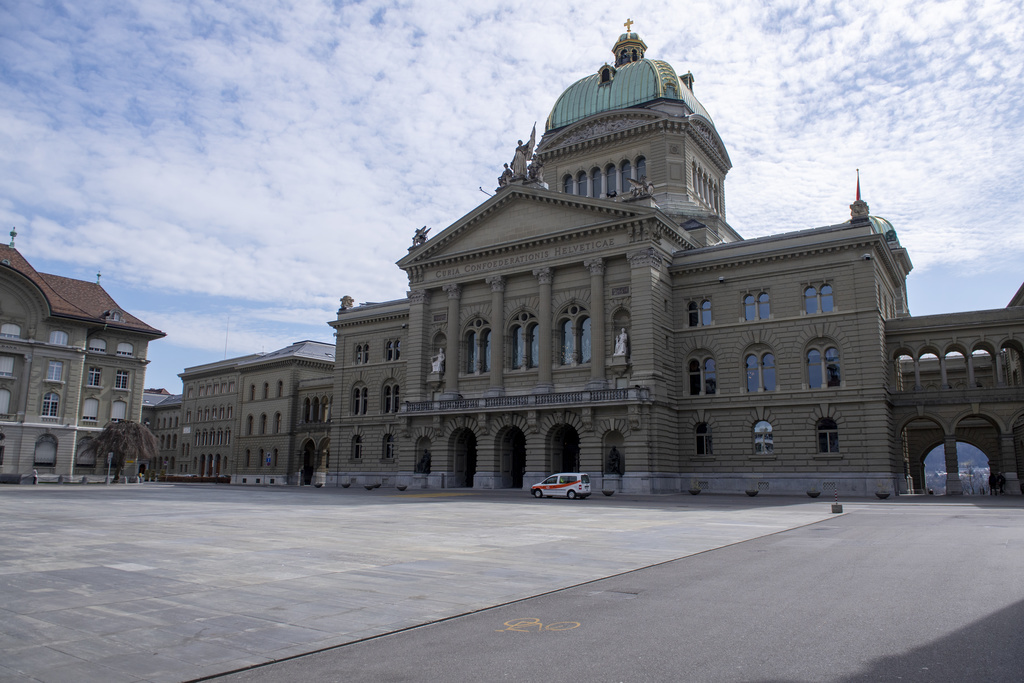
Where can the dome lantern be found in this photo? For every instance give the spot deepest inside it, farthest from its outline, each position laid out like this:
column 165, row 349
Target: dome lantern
column 629, row 47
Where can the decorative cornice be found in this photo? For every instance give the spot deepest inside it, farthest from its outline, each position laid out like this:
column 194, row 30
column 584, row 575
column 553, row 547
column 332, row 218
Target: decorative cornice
column 419, row 296
column 645, row 258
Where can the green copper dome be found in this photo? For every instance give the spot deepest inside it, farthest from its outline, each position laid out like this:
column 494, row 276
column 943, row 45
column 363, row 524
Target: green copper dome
column 628, row 84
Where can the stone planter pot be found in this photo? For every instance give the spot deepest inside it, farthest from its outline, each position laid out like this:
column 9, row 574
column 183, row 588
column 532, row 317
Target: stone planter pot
column 346, row 484
column 882, row 495
column 608, row 492
column 751, row 492
column 814, row 494
column 369, row 487
column 694, row 492
column 401, row 487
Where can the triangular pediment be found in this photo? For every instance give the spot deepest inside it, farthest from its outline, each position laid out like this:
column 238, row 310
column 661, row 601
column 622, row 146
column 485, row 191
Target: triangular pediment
column 522, row 216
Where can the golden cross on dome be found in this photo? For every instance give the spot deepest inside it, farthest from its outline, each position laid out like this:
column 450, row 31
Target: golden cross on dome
column 628, row 25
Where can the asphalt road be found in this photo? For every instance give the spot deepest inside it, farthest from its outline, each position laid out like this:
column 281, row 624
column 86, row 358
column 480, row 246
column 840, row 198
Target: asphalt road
column 886, row 592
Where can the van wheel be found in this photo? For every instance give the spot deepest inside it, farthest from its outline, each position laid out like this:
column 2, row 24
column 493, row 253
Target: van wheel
column 571, row 494
column 537, row 493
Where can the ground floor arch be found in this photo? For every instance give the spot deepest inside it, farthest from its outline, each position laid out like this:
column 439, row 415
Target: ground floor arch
column 564, row 449
column 511, row 446
column 308, row 462
column 463, row 449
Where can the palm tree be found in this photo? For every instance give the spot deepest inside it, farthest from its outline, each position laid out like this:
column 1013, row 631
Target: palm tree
column 127, row 441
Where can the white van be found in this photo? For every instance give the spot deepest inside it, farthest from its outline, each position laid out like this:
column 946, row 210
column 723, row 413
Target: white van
column 568, row 484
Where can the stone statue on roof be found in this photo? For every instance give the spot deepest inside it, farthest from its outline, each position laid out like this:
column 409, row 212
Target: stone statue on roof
column 421, row 236
column 522, row 156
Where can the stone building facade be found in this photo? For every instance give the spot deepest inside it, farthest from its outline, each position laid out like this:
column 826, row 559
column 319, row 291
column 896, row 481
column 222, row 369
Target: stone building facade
column 71, row 360
column 616, row 324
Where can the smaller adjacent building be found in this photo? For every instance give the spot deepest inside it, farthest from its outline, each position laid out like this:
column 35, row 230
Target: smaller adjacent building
column 260, row 419
column 71, row 360
column 161, row 413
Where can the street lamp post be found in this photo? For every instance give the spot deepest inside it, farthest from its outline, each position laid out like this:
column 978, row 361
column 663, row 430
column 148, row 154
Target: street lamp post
column 110, row 458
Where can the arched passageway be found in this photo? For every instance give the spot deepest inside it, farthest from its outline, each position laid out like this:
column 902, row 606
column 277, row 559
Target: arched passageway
column 972, row 467
column 308, row 463
column 565, row 449
column 512, row 445
column 464, row 447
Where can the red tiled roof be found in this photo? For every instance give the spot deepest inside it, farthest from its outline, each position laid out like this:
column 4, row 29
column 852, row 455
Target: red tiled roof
column 74, row 298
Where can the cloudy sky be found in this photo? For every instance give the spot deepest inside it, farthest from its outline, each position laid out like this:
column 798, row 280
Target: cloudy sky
column 233, row 168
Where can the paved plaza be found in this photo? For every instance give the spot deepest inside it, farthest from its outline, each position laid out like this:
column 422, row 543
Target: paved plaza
column 179, row 582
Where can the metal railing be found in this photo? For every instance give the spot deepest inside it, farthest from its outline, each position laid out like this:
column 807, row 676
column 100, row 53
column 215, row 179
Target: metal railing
column 530, row 400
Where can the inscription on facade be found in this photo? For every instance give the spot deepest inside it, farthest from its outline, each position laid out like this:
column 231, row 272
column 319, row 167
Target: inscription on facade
column 620, row 291
column 440, row 317
column 524, row 259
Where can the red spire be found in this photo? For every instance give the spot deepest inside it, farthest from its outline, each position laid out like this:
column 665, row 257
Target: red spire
column 858, row 184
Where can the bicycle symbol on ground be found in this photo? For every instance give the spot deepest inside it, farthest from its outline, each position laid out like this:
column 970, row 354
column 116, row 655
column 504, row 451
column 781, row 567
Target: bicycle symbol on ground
column 535, row 626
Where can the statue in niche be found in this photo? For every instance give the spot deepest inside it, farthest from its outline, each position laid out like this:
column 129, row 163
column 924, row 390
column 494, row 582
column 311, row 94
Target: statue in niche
column 437, row 364
column 506, row 177
column 423, row 466
column 535, row 173
column 614, row 462
column 522, row 155
column 421, row 236
column 621, row 342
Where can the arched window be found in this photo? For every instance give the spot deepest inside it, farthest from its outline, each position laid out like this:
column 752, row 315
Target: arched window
column 388, row 449
column 280, row 388
column 357, row 447
column 360, row 399
column 266, row 390
column 471, row 352
column 641, row 168
column 51, row 405
column 763, row 306
column 518, row 337
column 125, row 349
column 595, row 182
column 702, row 438
column 823, row 368
column 485, row 351
column 252, row 392
column 693, row 314
column 764, row 443
column 581, row 183
column 263, row 423
column 568, row 343
column 760, row 372
column 45, row 454
column 810, row 301
column 85, row 455
column 584, row 326
column 10, row 330
column 59, row 337
column 625, row 173
column 314, row 415
column 826, row 298
column 567, row 184
column 100, row 346
column 248, row 425
column 610, row 177
column 749, row 308
column 828, row 436
column 756, row 308
column 5, row 404
column 705, row 313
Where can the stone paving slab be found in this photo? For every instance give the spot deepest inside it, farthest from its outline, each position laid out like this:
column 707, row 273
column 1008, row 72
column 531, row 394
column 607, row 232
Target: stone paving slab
column 173, row 583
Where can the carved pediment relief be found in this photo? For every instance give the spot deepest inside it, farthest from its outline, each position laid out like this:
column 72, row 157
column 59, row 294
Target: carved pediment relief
column 595, row 129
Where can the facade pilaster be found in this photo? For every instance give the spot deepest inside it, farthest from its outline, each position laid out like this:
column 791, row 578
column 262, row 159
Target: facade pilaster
column 1008, row 456
column 497, row 283
column 544, row 383
column 597, row 327
column 452, row 363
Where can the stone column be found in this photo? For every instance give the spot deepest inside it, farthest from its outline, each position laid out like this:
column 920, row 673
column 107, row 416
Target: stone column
column 1008, row 457
column 1000, row 374
column 544, row 384
column 970, row 371
column 452, row 362
column 917, row 375
column 953, row 485
column 597, row 331
column 944, row 384
column 497, row 284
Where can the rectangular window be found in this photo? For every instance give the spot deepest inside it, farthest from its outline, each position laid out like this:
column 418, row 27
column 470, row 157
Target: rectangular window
column 6, row 366
column 90, row 410
column 118, row 410
column 95, row 377
column 55, row 371
column 121, row 379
